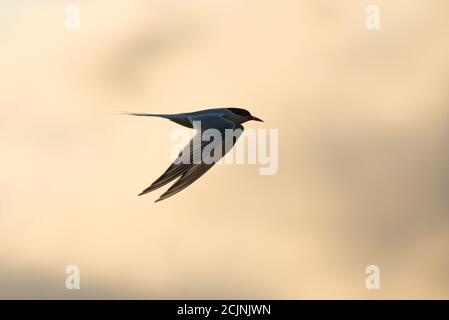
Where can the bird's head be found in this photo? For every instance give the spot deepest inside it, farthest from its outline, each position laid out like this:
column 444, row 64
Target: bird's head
column 242, row 115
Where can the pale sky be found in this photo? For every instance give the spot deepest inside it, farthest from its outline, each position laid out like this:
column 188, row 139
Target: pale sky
column 362, row 119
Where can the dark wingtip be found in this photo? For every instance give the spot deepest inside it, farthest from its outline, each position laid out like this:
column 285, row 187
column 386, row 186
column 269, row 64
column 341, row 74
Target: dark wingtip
column 149, row 189
column 144, row 192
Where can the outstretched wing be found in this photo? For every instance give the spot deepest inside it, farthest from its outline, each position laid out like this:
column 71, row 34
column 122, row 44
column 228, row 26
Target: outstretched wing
column 191, row 163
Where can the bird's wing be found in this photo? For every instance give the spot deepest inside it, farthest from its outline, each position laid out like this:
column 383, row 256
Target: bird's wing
column 185, row 165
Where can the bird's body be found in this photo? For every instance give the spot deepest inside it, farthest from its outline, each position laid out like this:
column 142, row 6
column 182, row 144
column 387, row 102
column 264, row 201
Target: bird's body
column 223, row 121
column 186, row 119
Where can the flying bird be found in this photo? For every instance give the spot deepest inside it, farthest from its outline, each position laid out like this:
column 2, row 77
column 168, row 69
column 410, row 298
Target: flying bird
column 224, row 120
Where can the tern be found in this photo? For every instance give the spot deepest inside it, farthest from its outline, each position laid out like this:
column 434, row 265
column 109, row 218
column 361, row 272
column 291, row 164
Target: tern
column 223, row 120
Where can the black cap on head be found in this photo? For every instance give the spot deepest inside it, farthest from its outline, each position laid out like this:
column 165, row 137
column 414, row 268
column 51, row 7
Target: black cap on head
column 240, row 112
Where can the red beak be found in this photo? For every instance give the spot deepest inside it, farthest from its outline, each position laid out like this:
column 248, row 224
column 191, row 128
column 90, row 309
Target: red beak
column 256, row 119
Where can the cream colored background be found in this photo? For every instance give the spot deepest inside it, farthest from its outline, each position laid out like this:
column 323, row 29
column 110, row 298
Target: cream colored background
column 363, row 126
